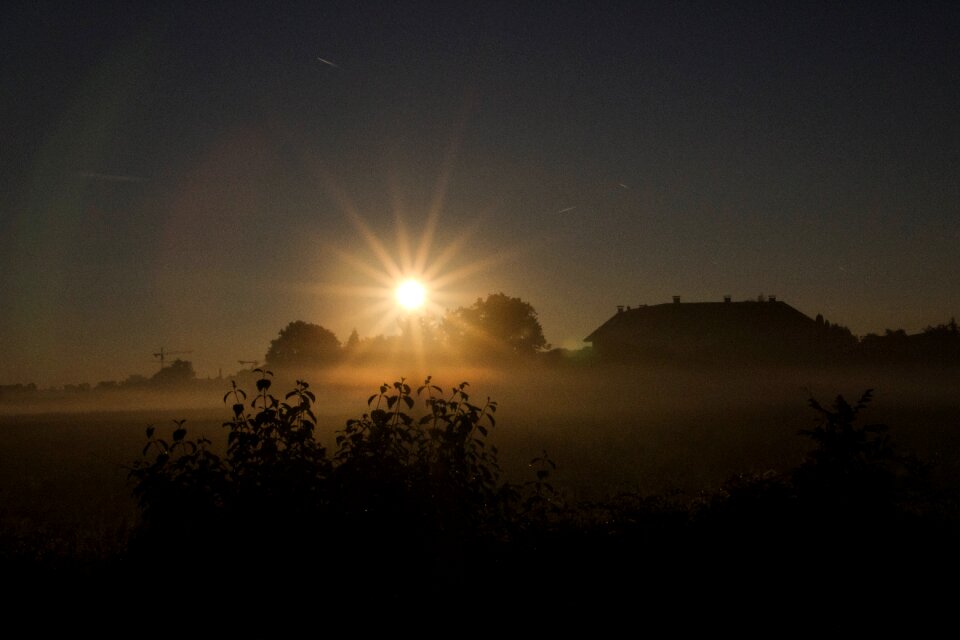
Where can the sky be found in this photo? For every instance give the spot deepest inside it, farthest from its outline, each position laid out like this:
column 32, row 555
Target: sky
column 195, row 176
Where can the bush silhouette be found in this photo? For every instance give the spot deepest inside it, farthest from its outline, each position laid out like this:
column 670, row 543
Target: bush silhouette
column 428, row 485
column 413, row 502
column 852, row 466
column 855, row 504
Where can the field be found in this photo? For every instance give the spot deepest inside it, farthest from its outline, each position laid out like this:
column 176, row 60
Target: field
column 64, row 461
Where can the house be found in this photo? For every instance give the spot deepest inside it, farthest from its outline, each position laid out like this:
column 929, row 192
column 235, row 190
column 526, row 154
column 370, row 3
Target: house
column 765, row 329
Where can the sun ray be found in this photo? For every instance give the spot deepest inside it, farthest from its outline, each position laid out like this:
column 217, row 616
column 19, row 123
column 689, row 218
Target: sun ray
column 436, row 205
column 419, row 248
column 430, row 228
column 376, row 245
column 466, row 270
column 385, row 277
column 402, row 240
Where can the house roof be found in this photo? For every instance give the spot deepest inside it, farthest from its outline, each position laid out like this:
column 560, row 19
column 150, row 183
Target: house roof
column 715, row 318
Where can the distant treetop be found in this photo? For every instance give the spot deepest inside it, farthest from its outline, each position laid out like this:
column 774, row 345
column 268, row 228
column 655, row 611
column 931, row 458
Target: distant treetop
column 497, row 322
column 303, row 344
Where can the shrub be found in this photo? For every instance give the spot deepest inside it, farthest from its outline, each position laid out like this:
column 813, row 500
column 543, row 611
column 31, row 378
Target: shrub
column 854, row 470
column 407, row 504
column 429, row 486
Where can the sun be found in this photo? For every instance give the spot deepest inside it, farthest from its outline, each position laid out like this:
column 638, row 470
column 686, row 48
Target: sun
column 410, row 281
column 411, row 295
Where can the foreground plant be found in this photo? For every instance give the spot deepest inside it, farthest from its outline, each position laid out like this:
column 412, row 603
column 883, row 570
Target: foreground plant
column 429, row 484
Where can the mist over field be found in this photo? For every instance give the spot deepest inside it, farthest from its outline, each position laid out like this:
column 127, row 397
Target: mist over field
column 64, row 460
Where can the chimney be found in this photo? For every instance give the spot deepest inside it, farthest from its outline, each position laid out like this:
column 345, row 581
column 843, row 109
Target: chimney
column 619, row 308
column 771, row 298
column 726, row 298
column 676, row 299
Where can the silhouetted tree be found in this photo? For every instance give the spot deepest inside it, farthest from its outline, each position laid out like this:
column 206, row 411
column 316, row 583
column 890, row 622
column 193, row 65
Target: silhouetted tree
column 948, row 330
column 937, row 345
column 839, row 336
column 422, row 332
column 135, row 380
column 178, row 372
column 303, row 344
column 353, row 341
column 499, row 320
column 17, row 389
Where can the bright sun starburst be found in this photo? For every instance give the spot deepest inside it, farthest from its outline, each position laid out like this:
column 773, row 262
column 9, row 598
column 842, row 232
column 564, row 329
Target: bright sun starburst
column 408, row 278
column 411, row 282
column 411, row 295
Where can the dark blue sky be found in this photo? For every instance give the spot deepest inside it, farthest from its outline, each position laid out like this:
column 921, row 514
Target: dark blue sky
column 184, row 175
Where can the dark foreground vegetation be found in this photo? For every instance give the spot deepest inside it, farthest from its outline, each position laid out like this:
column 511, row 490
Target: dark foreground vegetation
column 409, row 502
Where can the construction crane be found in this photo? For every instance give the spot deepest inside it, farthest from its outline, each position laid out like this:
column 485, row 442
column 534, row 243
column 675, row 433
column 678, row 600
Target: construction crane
column 162, row 354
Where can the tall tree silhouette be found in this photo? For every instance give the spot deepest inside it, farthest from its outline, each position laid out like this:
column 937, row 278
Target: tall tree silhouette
column 177, row 372
column 498, row 321
column 303, row 344
column 353, row 341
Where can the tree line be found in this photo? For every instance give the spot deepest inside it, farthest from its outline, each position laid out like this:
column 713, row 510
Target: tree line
column 498, row 325
column 501, row 326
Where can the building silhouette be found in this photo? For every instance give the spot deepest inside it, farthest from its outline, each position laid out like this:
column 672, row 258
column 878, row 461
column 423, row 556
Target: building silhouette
column 765, row 329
